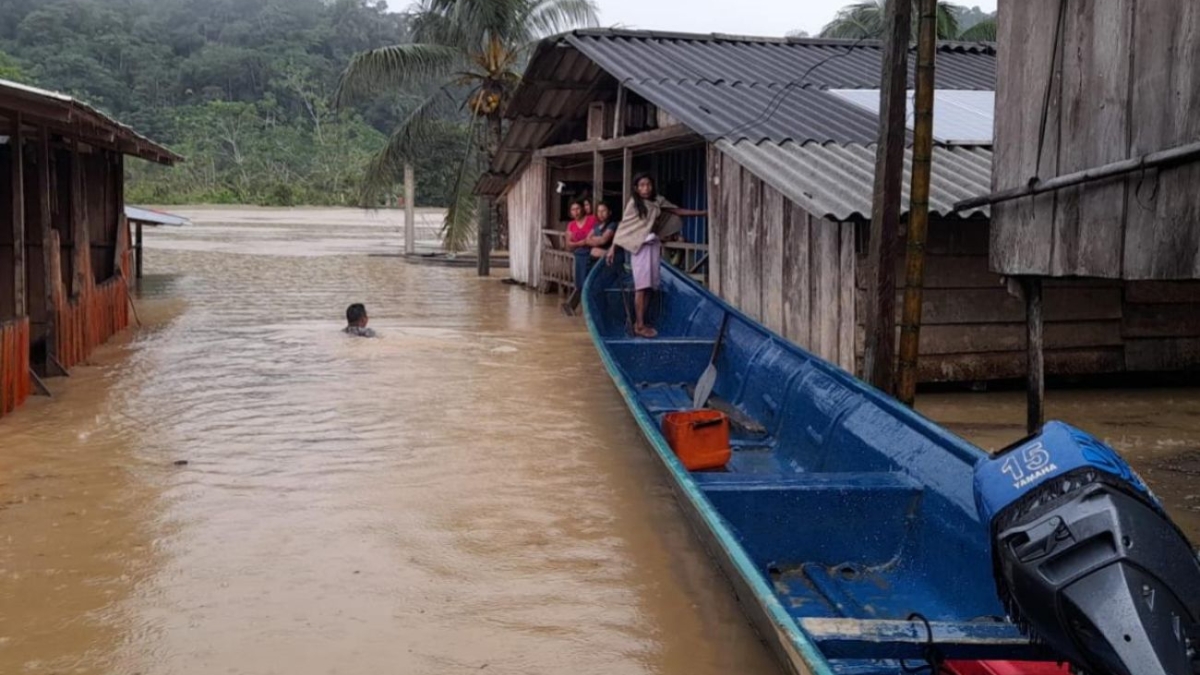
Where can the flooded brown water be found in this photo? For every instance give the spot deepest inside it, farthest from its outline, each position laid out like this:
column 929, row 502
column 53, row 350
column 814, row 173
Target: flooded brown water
column 466, row 494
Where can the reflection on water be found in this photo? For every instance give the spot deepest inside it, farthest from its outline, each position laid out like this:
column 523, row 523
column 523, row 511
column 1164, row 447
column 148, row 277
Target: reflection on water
column 237, row 487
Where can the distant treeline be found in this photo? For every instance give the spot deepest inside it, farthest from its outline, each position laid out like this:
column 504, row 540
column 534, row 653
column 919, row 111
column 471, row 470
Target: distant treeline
column 241, row 88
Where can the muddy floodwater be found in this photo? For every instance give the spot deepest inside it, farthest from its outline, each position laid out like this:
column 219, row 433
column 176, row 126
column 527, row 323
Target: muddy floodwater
column 236, row 487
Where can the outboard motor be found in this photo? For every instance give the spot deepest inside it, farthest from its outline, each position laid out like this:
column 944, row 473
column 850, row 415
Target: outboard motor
column 1086, row 560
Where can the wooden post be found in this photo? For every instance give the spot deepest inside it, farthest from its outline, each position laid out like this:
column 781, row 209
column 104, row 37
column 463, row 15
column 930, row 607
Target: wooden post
column 20, row 305
column 484, row 266
column 918, row 214
column 50, row 250
column 880, row 320
column 619, row 113
column 1036, row 414
column 80, row 237
column 137, row 252
column 410, row 210
column 597, row 177
column 626, row 181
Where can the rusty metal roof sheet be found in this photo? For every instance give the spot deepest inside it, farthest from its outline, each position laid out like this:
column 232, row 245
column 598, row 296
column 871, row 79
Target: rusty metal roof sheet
column 70, row 113
column 837, row 181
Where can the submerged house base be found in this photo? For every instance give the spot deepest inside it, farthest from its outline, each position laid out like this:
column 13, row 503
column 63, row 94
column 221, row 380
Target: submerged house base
column 65, row 260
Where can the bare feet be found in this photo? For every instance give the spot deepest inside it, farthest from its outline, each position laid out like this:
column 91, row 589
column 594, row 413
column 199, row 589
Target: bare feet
column 645, row 332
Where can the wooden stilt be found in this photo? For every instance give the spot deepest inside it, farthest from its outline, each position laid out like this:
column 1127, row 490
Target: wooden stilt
column 20, row 305
column 410, row 210
column 626, row 180
column 484, row 267
column 1036, row 415
column 137, row 251
column 880, row 320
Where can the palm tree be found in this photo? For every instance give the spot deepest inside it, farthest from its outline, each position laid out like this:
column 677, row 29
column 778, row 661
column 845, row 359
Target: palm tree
column 867, row 20
column 473, row 50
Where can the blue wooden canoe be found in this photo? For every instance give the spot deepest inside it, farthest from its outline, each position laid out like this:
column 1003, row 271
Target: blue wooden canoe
column 841, row 514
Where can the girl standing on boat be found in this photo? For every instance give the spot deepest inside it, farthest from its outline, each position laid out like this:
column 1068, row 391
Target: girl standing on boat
column 644, row 214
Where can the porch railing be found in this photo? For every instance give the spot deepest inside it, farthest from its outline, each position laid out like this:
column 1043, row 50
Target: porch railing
column 558, row 264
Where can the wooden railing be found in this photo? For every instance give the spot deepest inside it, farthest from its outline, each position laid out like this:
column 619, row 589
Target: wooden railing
column 558, row 264
column 15, row 384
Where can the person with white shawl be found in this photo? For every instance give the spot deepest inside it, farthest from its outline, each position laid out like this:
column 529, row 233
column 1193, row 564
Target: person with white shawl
column 646, row 214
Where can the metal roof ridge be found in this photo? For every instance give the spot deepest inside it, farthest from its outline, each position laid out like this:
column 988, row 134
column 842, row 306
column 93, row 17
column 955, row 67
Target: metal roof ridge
column 651, row 34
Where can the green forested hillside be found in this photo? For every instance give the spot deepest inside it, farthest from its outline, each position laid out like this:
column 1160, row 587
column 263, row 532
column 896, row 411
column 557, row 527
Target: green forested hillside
column 240, row 87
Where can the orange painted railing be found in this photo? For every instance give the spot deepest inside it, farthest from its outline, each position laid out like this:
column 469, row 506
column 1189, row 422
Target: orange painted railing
column 86, row 322
column 15, row 384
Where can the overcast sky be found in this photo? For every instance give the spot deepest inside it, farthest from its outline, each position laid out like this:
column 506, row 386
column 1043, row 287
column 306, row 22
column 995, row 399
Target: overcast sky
column 744, row 17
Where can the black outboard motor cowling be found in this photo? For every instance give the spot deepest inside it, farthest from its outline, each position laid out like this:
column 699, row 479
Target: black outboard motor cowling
column 1087, row 560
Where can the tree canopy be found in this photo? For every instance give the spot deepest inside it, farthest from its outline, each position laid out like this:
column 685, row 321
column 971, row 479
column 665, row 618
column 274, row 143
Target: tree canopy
column 242, row 88
column 867, row 20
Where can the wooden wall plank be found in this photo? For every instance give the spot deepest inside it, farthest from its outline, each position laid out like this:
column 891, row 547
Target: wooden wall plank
column 733, row 236
column 826, row 265
column 1011, row 365
column 17, row 194
column 716, row 219
column 1162, row 355
column 1160, row 321
column 797, row 276
column 750, row 267
column 1158, row 24
column 1021, row 232
column 1089, row 219
column 986, row 306
column 847, row 316
column 945, row 272
column 774, row 254
column 1162, row 292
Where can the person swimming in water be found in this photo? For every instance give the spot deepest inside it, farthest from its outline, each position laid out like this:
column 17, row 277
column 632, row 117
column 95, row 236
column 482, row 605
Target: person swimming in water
column 356, row 321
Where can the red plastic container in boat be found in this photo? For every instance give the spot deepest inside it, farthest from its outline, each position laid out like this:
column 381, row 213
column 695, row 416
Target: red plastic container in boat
column 700, row 438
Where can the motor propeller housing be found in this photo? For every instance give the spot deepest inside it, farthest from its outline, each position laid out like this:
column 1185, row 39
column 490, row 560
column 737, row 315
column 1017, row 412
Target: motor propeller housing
column 1087, row 560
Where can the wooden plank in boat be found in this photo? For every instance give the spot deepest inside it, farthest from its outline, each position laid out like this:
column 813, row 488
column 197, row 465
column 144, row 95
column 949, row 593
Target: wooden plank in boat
column 890, row 639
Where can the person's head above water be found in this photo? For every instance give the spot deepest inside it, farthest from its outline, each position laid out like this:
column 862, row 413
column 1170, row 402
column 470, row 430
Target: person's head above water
column 356, row 315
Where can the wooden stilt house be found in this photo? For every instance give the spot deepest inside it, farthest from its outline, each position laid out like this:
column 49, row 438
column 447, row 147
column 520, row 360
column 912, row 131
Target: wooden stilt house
column 64, row 240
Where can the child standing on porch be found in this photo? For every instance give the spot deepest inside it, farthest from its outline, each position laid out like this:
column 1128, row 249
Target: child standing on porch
column 636, row 234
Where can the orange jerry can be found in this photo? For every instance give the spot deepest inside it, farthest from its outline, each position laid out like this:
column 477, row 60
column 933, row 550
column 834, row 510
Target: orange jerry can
column 700, row 438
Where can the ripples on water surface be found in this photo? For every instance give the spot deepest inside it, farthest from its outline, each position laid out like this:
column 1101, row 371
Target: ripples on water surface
column 468, row 492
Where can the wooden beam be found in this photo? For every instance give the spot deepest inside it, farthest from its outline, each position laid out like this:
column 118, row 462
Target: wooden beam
column 597, row 177
column 80, row 237
column 20, row 302
column 1035, row 413
column 626, row 180
column 1174, row 156
column 619, row 113
column 49, row 254
column 879, row 353
column 676, row 132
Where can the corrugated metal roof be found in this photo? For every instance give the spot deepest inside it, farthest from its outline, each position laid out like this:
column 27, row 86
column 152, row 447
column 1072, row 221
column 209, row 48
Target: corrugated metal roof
column 656, row 57
column 959, row 117
column 72, row 110
column 837, row 181
column 152, row 217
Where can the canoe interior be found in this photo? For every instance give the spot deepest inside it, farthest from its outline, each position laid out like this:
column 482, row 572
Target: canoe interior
column 845, row 504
